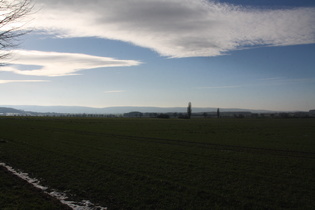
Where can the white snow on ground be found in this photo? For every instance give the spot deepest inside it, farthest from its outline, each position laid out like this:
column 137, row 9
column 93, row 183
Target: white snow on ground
column 62, row 197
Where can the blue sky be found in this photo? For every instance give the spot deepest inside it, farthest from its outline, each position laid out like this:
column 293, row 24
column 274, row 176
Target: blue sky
column 254, row 54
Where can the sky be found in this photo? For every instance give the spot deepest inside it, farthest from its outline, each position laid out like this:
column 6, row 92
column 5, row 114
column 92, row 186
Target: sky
column 251, row 54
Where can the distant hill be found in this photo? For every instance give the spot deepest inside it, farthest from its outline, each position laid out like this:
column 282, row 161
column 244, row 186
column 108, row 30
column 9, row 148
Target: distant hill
column 119, row 109
column 6, row 110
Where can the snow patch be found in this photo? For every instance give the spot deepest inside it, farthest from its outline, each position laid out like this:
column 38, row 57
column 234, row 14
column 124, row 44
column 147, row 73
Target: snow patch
column 62, row 197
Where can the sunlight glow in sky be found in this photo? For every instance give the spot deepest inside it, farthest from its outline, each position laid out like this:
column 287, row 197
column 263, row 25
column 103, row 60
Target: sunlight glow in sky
column 214, row 53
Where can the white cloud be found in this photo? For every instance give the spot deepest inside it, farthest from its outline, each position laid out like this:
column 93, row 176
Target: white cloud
column 21, row 81
column 177, row 28
column 59, row 64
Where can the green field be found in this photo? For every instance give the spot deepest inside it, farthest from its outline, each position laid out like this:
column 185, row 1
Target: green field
column 168, row 163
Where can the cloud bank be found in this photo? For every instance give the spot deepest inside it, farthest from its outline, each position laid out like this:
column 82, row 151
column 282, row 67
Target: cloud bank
column 59, row 64
column 177, row 28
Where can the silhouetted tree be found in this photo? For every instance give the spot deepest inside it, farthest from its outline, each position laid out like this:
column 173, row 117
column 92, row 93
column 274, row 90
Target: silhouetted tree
column 11, row 12
column 189, row 111
column 218, row 113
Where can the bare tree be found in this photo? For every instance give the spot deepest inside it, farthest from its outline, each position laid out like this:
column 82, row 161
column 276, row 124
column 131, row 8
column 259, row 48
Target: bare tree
column 11, row 13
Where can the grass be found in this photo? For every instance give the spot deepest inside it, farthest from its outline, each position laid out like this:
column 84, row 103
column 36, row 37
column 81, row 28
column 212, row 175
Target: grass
column 168, row 164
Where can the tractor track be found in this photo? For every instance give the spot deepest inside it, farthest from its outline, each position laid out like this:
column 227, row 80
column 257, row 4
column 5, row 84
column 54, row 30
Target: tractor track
column 208, row 145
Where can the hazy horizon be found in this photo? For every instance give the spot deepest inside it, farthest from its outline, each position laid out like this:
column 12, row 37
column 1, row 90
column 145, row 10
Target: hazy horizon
column 214, row 53
column 122, row 109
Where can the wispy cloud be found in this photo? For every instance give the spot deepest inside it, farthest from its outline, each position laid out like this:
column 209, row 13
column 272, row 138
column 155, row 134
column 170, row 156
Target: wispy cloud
column 286, row 81
column 275, row 81
column 221, row 87
column 21, row 81
column 59, row 64
column 115, row 91
column 177, row 28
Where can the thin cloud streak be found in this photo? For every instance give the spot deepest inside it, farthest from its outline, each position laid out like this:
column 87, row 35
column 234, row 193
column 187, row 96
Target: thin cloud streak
column 115, row 91
column 177, row 28
column 52, row 64
column 221, row 87
column 285, row 81
column 277, row 81
column 21, row 81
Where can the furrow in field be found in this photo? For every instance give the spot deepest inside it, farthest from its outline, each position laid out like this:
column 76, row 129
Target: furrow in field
column 215, row 146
